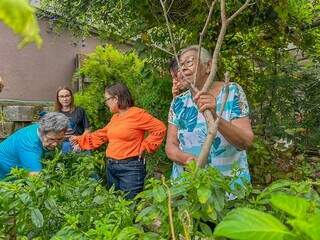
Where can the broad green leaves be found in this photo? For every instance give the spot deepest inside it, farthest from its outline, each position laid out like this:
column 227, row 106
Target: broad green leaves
column 296, row 207
column 198, row 199
column 20, row 17
column 63, row 202
column 250, row 224
column 309, row 227
column 245, row 223
column 37, row 217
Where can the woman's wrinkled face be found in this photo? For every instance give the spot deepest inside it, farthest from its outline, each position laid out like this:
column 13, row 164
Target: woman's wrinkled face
column 188, row 69
column 111, row 102
column 51, row 140
column 64, row 97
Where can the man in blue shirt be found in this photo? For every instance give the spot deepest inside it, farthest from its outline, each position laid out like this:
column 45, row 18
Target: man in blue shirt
column 24, row 148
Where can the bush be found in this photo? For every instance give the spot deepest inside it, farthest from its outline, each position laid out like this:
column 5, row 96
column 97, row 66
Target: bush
column 150, row 90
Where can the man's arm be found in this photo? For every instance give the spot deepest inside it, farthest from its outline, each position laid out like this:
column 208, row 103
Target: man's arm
column 172, row 147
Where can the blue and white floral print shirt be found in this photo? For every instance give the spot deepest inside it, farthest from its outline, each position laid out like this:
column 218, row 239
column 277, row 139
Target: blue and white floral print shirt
column 192, row 130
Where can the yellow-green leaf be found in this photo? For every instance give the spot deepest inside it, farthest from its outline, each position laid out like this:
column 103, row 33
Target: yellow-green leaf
column 20, row 17
column 250, row 224
column 295, row 206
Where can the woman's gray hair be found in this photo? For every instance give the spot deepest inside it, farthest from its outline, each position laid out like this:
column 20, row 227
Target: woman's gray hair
column 205, row 55
column 53, row 122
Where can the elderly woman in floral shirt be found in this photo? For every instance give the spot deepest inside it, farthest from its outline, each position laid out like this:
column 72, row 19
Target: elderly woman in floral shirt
column 187, row 129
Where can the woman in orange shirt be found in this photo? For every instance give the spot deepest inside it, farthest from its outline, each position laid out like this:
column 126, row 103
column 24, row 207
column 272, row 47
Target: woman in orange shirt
column 124, row 135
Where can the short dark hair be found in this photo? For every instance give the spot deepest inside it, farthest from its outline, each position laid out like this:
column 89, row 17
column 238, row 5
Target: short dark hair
column 120, row 90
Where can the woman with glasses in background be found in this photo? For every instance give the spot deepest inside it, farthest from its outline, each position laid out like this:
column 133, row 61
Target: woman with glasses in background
column 78, row 121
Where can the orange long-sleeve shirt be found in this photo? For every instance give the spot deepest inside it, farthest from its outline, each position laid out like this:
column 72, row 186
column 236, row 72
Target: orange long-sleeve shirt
column 124, row 134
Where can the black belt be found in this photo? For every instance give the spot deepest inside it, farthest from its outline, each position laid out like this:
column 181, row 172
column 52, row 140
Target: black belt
column 125, row 160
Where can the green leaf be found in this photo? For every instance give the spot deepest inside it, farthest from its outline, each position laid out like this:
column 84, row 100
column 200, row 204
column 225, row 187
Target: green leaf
column 205, row 229
column 203, row 194
column 275, row 186
column 20, row 17
column 99, row 200
column 309, row 227
column 245, row 223
column 295, row 206
column 128, row 233
column 50, row 204
column 25, row 198
column 159, row 194
column 36, row 217
column 149, row 212
column 218, row 199
column 150, row 236
column 86, row 192
column 179, row 189
column 211, row 212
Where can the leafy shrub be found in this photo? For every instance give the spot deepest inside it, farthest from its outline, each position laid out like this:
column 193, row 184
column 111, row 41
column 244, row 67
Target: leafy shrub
column 276, row 158
column 290, row 211
column 150, row 91
column 198, row 200
column 63, row 202
column 107, row 66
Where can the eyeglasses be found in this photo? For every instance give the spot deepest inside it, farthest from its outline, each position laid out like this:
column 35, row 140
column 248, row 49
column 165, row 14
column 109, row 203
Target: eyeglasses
column 64, row 96
column 107, row 99
column 51, row 140
column 187, row 63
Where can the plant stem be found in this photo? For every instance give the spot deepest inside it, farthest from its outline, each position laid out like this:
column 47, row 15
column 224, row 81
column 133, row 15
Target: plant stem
column 169, row 209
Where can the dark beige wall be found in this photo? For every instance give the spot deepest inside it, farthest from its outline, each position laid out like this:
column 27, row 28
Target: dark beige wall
column 35, row 74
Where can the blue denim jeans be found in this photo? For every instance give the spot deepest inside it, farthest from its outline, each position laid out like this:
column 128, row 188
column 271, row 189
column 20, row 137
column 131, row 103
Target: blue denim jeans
column 66, row 147
column 127, row 175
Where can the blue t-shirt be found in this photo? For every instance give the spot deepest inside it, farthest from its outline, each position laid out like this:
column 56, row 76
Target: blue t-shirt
column 192, row 131
column 23, row 149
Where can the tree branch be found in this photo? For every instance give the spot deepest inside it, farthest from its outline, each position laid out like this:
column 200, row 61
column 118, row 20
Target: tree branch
column 201, row 38
column 162, row 49
column 193, row 87
column 243, row 7
column 169, row 29
column 214, row 64
column 213, row 127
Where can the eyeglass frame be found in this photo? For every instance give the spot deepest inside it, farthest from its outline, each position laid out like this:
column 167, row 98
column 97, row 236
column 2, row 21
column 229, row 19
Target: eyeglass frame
column 51, row 140
column 190, row 64
column 107, row 99
column 64, row 96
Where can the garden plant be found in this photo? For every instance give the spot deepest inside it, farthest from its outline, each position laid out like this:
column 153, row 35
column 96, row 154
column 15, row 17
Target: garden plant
column 270, row 47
